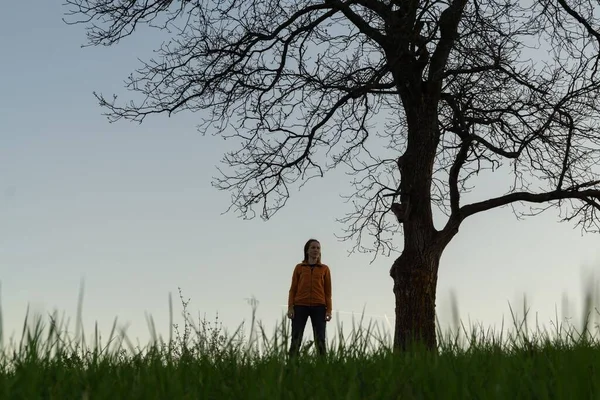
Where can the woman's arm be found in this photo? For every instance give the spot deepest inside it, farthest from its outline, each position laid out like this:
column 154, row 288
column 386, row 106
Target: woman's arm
column 328, row 301
column 293, row 288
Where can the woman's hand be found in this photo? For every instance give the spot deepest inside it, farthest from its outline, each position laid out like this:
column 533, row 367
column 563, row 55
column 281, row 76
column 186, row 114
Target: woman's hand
column 328, row 317
column 290, row 312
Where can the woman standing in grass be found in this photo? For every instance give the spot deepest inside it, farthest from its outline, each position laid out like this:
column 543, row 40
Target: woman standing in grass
column 310, row 296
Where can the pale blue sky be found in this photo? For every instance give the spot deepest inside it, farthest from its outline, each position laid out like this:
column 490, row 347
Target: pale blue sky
column 130, row 209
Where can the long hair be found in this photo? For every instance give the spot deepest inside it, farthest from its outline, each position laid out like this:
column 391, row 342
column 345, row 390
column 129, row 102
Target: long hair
column 306, row 246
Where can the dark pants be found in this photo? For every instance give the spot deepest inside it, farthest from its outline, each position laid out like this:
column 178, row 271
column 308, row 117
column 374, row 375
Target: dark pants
column 317, row 318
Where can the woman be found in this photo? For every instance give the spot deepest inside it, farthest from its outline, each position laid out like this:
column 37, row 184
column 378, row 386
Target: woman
column 310, row 296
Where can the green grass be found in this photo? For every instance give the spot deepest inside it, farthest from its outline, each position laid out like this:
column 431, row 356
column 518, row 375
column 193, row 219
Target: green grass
column 200, row 361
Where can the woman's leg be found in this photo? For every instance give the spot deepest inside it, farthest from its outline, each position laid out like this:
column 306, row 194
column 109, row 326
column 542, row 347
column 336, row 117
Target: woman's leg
column 301, row 314
column 317, row 319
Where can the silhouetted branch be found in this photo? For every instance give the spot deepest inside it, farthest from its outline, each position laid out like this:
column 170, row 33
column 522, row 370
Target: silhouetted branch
column 589, row 197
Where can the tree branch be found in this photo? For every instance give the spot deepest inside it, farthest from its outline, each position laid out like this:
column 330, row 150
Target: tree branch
column 468, row 71
column 449, row 20
column 474, row 208
column 565, row 163
column 496, row 149
column 580, row 19
column 360, row 23
column 376, row 6
column 461, row 157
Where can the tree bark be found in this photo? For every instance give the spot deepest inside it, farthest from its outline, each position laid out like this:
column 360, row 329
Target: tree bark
column 415, row 271
column 415, row 282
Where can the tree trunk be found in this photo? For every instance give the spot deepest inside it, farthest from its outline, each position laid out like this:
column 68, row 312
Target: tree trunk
column 415, row 271
column 415, row 282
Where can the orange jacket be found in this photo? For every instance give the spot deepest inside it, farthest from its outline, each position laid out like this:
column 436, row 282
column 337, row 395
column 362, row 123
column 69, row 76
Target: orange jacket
column 311, row 286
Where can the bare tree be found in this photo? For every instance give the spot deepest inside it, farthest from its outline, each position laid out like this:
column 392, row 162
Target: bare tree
column 306, row 85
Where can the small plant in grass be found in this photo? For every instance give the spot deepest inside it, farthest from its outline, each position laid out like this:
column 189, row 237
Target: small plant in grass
column 204, row 339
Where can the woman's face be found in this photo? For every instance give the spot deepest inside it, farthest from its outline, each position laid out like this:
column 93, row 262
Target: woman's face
column 314, row 250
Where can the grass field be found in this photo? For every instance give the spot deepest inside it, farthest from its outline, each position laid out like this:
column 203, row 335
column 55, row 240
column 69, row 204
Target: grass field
column 201, row 362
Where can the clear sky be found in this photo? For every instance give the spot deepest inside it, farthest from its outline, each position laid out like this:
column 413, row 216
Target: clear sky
column 130, row 209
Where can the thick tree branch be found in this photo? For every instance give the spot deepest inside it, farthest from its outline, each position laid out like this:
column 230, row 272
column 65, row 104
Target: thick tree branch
column 461, row 157
column 496, row 149
column 360, row 23
column 565, row 163
column 448, row 23
column 474, row 208
column 377, row 6
column 591, row 31
column 469, row 71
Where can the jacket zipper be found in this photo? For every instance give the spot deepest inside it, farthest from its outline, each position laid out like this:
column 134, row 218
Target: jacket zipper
column 311, row 285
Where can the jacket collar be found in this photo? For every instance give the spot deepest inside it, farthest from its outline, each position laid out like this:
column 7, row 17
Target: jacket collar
column 308, row 265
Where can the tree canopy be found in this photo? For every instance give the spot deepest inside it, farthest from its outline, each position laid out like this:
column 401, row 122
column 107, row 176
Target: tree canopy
column 414, row 98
